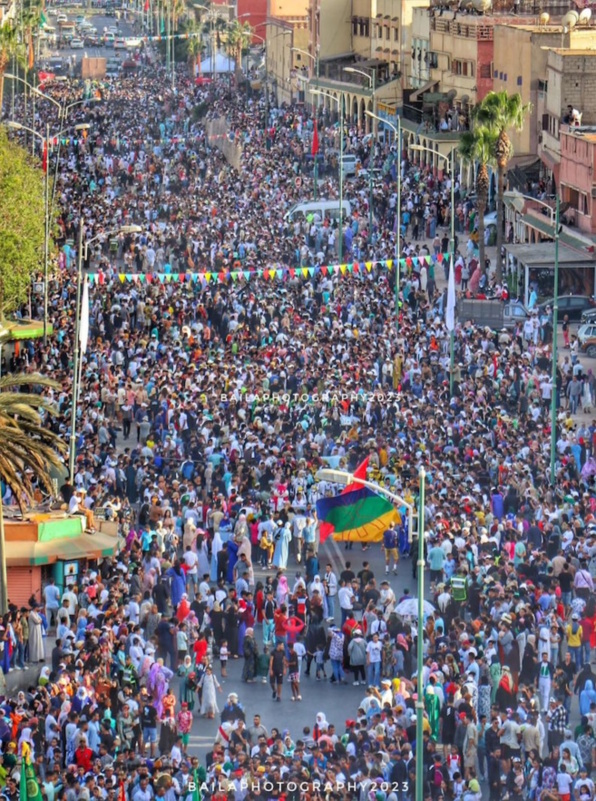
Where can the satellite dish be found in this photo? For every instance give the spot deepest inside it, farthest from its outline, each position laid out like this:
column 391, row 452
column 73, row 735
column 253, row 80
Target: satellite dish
column 570, row 20
column 544, row 18
column 585, row 16
column 452, row 94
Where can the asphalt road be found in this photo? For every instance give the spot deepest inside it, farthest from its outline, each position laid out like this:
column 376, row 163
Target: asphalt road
column 99, row 21
column 338, row 702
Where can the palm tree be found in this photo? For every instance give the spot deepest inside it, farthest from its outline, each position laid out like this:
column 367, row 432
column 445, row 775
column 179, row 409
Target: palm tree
column 500, row 112
column 194, row 45
column 477, row 147
column 29, row 449
column 238, row 39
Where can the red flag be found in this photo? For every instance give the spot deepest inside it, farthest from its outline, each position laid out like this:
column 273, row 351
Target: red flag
column 122, row 792
column 31, row 53
column 326, row 529
column 146, row 7
column 44, row 160
column 315, row 141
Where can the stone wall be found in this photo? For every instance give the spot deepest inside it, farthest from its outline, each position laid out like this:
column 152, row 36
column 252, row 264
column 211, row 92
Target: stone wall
column 218, row 135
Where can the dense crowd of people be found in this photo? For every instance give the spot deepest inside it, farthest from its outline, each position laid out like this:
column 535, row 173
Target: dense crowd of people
column 206, row 410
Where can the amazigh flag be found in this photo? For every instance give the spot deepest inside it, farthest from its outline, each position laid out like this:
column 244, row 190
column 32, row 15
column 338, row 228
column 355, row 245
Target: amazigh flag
column 315, row 140
column 146, row 6
column 357, row 514
column 29, row 787
column 84, row 323
column 450, row 310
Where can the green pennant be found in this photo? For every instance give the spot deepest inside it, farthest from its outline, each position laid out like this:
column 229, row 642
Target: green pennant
column 142, row 277
column 311, row 271
column 161, row 277
column 234, row 276
column 350, row 268
column 247, row 275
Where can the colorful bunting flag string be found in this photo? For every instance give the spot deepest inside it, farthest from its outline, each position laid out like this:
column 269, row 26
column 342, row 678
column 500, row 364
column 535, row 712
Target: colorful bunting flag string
column 270, row 274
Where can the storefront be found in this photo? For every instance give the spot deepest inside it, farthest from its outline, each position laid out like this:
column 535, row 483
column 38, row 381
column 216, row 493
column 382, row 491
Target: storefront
column 534, row 264
column 53, row 545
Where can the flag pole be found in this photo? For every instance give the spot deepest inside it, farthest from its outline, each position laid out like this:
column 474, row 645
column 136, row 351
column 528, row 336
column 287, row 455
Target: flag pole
column 77, row 358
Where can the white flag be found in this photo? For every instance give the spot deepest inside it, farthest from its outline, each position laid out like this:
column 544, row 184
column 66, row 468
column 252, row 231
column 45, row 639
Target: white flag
column 84, row 329
column 450, row 311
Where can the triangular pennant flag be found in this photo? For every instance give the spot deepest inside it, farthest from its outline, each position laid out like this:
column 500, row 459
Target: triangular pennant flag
column 247, row 275
column 142, row 278
column 129, row 277
column 91, row 279
column 259, row 273
column 149, row 278
column 222, row 277
column 428, row 260
column 234, row 276
column 389, row 263
column 272, row 274
column 305, row 272
column 369, row 266
column 207, row 277
column 280, row 273
column 311, row 271
column 169, row 278
column 350, row 268
column 421, row 261
column 182, row 277
column 356, row 267
column 324, row 270
column 409, row 261
column 292, row 272
column 336, row 268
column 122, row 278
column 439, row 257
column 343, row 268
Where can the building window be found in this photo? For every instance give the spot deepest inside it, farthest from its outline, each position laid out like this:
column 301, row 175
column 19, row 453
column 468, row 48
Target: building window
column 396, row 35
column 355, row 27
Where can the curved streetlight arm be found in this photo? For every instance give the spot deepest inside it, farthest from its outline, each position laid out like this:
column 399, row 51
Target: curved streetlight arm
column 356, row 71
column 33, row 89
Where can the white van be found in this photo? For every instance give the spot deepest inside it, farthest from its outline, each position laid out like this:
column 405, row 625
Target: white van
column 324, row 209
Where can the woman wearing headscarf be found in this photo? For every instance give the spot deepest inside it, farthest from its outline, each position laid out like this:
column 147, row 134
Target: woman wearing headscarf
column 249, row 670
column 283, row 537
column 317, row 586
column 283, row 590
column 209, row 685
column 216, row 546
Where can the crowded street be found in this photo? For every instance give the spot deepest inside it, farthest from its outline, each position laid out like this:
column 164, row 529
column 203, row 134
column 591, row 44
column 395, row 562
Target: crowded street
column 236, row 345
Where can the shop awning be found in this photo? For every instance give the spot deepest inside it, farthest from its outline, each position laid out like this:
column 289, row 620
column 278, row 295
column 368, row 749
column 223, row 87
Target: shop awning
column 85, row 546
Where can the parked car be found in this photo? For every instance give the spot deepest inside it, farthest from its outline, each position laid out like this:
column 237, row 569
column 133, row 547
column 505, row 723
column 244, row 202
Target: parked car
column 77, row 44
column 588, row 346
column 589, row 316
column 493, row 314
column 120, row 43
column 571, row 305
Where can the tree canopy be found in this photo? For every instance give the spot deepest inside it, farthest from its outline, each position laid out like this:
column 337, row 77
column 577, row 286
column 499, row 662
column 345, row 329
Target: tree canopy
column 22, row 222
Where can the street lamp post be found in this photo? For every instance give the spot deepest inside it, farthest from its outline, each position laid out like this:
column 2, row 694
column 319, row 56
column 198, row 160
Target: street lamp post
column 450, row 162
column 316, row 155
column 340, row 101
column 420, row 641
column 83, row 250
column 516, row 200
column 397, row 132
column 370, row 77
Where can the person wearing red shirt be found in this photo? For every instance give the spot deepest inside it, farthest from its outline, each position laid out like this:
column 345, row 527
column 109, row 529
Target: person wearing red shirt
column 83, row 756
column 200, row 648
column 280, row 624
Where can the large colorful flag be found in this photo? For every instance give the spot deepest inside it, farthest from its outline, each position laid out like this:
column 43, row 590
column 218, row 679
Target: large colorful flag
column 357, row 514
column 315, row 140
column 29, row 787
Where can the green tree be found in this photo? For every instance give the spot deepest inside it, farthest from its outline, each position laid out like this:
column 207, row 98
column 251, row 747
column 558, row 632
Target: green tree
column 238, row 39
column 22, row 222
column 29, row 449
column 500, row 112
column 194, row 45
column 9, row 46
column 477, row 148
